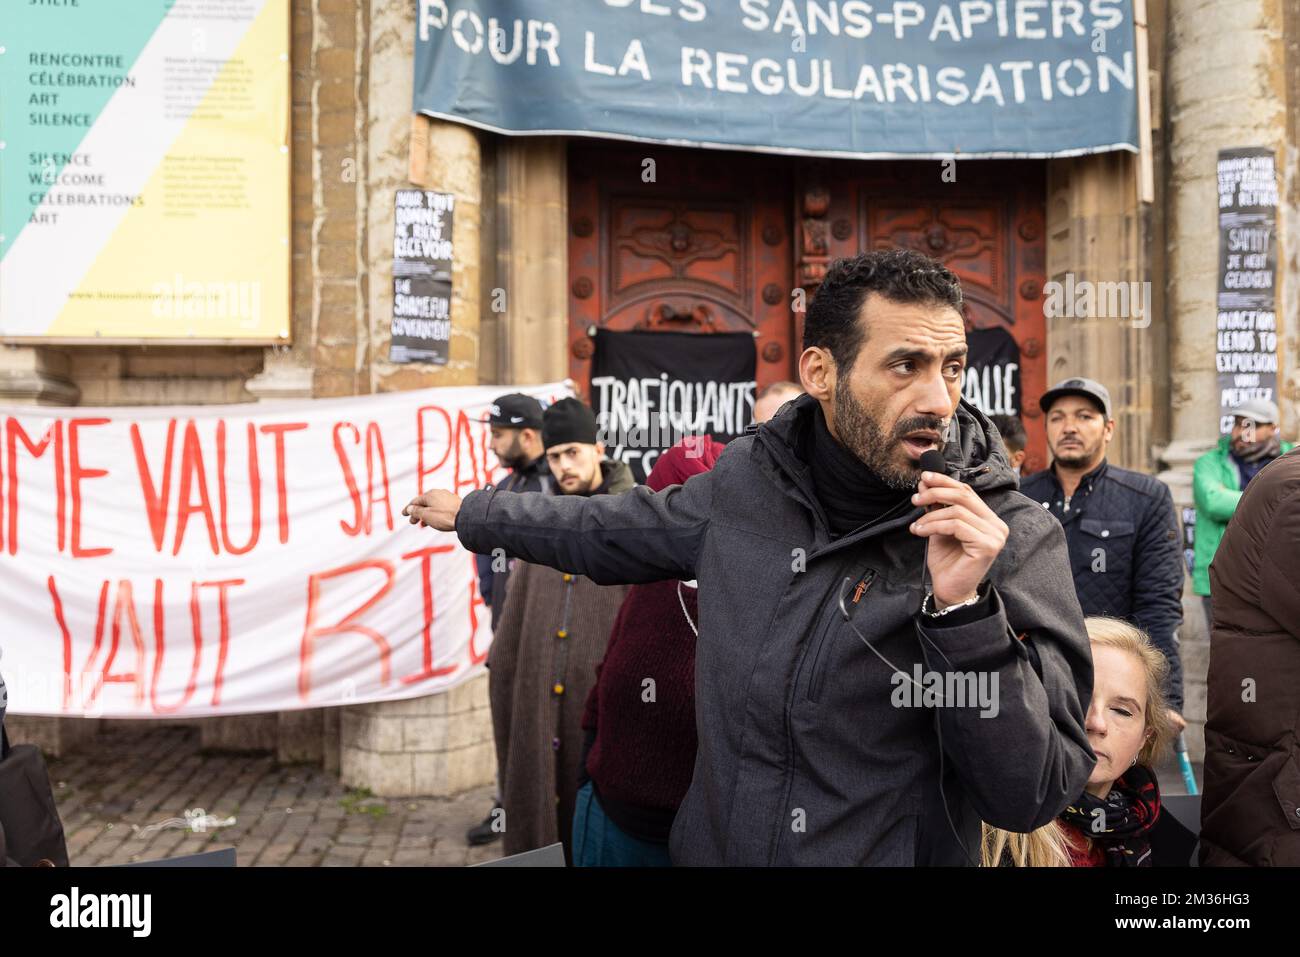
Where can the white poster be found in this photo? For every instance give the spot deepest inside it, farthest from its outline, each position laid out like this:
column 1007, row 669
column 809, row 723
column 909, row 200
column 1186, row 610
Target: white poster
column 160, row 562
column 144, row 165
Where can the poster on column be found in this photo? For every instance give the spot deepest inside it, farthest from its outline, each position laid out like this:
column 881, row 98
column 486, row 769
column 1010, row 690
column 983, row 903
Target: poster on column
column 183, row 562
column 652, row 389
column 1246, row 334
column 422, row 254
column 1188, row 515
column 145, row 171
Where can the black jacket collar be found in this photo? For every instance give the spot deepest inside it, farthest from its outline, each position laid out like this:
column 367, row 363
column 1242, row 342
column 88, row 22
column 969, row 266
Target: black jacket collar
column 1087, row 482
column 973, row 451
column 536, row 469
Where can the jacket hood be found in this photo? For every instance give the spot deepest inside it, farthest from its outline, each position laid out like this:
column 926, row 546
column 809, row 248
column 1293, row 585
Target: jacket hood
column 973, row 449
column 615, row 477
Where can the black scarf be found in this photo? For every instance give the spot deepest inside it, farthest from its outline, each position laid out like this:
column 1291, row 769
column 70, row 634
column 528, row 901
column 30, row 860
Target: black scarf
column 1127, row 815
column 850, row 493
column 1269, row 448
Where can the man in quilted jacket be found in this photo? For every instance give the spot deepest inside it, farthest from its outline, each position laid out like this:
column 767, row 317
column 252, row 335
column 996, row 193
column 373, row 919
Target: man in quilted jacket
column 1121, row 528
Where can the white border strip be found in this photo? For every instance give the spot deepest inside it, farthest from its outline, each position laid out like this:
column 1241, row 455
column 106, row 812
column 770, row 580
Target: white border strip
column 784, row 151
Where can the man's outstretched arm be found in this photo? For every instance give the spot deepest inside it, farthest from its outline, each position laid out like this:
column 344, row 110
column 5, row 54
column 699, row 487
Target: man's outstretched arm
column 638, row 536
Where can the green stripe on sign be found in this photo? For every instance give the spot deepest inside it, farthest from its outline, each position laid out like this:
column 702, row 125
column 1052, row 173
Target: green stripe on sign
column 60, row 66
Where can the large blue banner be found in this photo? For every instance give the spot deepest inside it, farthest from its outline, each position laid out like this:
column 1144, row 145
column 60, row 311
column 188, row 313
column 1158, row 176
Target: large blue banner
column 979, row 78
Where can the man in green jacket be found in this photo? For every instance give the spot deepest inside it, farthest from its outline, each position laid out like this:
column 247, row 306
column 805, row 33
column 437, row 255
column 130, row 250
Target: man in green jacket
column 1221, row 475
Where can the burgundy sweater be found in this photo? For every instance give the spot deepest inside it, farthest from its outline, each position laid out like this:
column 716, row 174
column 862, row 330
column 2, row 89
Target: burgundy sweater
column 644, row 749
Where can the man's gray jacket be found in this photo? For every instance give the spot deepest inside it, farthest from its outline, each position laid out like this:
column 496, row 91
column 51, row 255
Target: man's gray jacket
column 810, row 751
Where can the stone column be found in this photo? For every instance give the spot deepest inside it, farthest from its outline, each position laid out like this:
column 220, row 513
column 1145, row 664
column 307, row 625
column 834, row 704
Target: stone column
column 1226, row 87
column 532, row 258
column 286, row 371
column 305, row 736
column 1094, row 234
column 32, row 375
column 437, row 744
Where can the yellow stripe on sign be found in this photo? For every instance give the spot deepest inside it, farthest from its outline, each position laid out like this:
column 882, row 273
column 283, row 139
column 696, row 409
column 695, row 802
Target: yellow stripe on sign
column 205, row 255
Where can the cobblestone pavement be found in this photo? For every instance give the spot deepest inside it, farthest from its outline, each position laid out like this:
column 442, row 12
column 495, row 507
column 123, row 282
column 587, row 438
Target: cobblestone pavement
column 113, row 789
column 116, row 787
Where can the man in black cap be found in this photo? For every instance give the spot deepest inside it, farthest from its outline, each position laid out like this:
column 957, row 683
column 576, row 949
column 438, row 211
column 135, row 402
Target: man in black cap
column 551, row 635
column 1123, row 534
column 515, row 423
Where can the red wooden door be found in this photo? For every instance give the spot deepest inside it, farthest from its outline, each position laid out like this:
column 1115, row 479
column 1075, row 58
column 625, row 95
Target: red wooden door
column 987, row 226
column 716, row 241
column 680, row 240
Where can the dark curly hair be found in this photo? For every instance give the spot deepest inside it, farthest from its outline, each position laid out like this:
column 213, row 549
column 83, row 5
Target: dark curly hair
column 900, row 275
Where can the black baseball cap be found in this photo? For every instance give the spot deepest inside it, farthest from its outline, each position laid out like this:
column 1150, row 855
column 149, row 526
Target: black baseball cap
column 1089, row 388
column 515, row 411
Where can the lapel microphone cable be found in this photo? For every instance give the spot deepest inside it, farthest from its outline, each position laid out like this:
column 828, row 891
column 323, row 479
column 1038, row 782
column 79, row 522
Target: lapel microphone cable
column 931, row 461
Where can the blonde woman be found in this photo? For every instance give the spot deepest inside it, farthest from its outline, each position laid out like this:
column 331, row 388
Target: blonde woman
column 1128, row 726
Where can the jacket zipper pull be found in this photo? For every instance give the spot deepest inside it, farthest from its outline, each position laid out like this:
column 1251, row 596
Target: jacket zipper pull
column 863, row 585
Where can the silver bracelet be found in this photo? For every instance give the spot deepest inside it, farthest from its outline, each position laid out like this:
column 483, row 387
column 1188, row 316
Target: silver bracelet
column 928, row 603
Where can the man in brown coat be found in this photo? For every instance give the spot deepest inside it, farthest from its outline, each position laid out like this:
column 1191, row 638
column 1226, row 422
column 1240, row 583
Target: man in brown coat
column 550, row 637
column 1250, row 813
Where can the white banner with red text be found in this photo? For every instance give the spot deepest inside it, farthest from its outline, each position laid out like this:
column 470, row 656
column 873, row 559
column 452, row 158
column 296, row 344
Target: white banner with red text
column 187, row 562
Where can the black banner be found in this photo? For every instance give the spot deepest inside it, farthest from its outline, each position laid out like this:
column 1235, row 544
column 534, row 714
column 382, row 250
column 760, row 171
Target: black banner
column 651, row 389
column 991, row 381
column 1246, row 343
column 422, row 251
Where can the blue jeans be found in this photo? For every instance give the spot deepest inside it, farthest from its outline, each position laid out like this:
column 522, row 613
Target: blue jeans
column 599, row 842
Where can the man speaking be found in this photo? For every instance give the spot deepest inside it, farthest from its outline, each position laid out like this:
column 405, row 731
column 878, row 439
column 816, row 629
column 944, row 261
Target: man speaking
column 832, row 570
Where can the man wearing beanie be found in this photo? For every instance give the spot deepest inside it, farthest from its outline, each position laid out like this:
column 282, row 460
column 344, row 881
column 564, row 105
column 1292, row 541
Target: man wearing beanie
column 552, row 633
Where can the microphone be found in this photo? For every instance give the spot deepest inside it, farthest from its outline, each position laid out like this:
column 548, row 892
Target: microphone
column 932, row 460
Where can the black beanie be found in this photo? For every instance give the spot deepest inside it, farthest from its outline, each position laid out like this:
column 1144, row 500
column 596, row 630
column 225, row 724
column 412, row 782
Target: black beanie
column 568, row 420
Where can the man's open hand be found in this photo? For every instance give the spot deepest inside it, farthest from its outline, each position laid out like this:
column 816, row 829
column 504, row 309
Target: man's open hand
column 436, row 509
column 965, row 536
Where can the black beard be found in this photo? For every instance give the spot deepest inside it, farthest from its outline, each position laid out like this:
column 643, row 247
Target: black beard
column 591, row 485
column 1076, row 460
column 860, row 434
column 515, row 458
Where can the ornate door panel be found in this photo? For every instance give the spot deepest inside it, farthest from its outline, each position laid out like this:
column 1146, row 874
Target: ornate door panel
column 987, row 227
column 704, row 246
